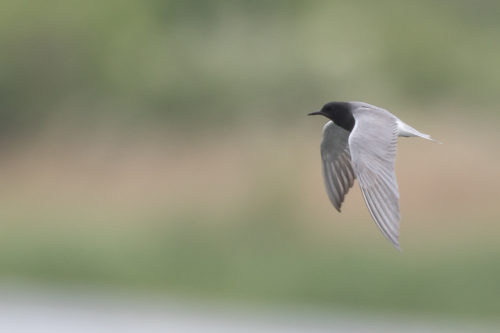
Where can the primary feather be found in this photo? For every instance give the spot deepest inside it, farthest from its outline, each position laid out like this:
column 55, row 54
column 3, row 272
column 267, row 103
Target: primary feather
column 337, row 170
column 373, row 153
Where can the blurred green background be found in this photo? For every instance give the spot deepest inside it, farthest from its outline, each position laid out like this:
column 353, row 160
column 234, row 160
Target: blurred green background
column 162, row 146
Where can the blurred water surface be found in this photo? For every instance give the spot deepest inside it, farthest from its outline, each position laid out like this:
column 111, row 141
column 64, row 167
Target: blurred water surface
column 45, row 310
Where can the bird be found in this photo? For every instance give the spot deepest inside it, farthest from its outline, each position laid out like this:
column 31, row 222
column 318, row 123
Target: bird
column 359, row 142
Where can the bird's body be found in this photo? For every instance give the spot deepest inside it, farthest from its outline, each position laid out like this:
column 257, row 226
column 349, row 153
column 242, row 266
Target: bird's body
column 359, row 142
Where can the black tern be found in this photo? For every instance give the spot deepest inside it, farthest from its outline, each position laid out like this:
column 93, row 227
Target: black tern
column 359, row 142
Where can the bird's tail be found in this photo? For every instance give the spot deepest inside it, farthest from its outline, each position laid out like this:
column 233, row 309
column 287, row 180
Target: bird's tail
column 406, row 130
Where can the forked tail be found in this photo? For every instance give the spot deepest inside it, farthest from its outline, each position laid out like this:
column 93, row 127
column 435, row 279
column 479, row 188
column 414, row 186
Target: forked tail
column 406, row 130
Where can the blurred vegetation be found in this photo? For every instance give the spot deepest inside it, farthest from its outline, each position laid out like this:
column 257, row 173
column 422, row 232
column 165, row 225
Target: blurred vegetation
column 263, row 260
column 210, row 62
column 246, row 218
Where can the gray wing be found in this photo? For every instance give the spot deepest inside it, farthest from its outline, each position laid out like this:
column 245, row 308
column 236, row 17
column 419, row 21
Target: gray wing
column 373, row 151
column 337, row 169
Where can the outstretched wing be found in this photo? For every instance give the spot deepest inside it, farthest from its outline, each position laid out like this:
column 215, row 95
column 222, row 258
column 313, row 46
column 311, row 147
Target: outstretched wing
column 373, row 152
column 337, row 170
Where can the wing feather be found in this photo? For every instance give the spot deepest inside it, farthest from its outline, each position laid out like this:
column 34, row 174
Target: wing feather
column 338, row 173
column 372, row 144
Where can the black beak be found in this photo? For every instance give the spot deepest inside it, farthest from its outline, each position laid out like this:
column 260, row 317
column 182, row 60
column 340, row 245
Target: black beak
column 314, row 113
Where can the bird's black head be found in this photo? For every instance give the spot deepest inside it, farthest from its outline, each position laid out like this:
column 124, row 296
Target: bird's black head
column 339, row 112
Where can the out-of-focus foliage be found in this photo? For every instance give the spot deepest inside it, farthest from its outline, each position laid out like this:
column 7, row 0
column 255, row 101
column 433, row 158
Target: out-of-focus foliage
column 221, row 61
column 244, row 216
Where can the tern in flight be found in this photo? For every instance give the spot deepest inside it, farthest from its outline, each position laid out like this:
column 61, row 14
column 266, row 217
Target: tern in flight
column 359, row 141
